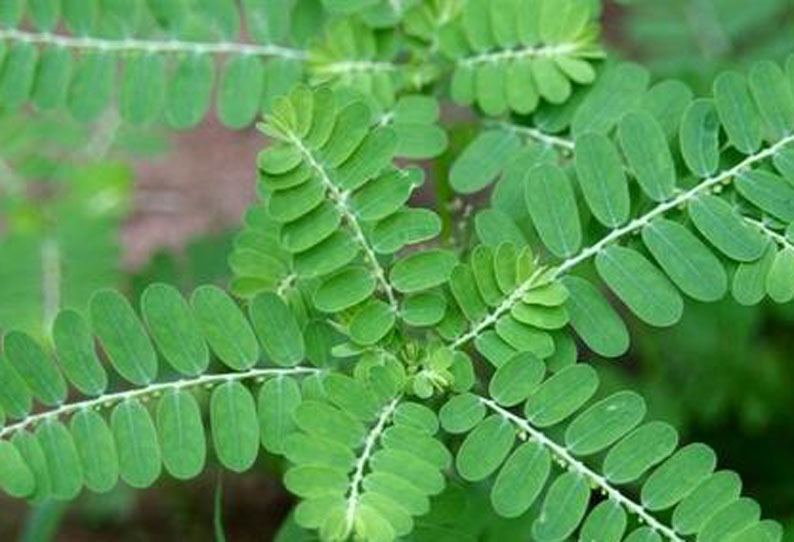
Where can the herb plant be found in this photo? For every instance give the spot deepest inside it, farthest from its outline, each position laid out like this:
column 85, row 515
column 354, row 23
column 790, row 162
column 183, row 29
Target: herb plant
column 389, row 350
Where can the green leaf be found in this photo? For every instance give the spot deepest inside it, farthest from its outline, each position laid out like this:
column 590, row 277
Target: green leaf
column 225, row 328
column 594, row 319
column 189, row 91
column 749, row 281
column 92, row 85
column 667, row 101
column 143, row 88
column 678, row 477
column 769, row 192
column 278, row 329
column 422, row 270
column 235, row 426
column 45, row 13
column 606, row 523
column 563, row 509
column 600, row 111
column 604, row 423
column 600, row 172
column 495, row 227
column 344, row 289
column 489, row 85
column 97, row 450
column 485, row 448
column 483, row 160
column 780, row 280
column 181, row 433
column 731, row 520
column 462, row 413
column 351, row 396
column 51, row 84
column 764, row 531
column 644, row 534
column 77, row 355
column 712, row 495
column 15, row 476
column 640, row 450
column 645, row 146
column 561, row 395
column 515, row 380
column 552, row 205
column 640, row 285
column 18, row 71
column 15, row 398
column 35, row 367
column 412, row 469
column 311, row 229
column 464, row 290
column 123, row 337
column 386, row 194
column 325, row 421
column 423, row 309
column 240, row 90
column 372, row 322
column 277, row 401
column 686, row 260
column 700, row 138
column 405, row 227
column 525, row 338
column 136, row 441
column 63, row 463
column 724, row 228
column 521, row 480
column 773, row 97
column 174, row 329
column 29, row 448
column 737, row 112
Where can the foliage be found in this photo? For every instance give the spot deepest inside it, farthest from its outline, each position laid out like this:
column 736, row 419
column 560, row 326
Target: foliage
column 392, row 367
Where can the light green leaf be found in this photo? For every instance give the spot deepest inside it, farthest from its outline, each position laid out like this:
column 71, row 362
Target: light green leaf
column 372, row 322
column 640, row 285
column 749, row 281
column 278, row 329
column 225, row 328
column 594, row 319
column 552, row 205
column 16, row 76
column 277, row 401
column 722, row 225
column 92, row 85
column 143, row 88
column 600, row 111
column 15, row 476
column 712, row 495
column 495, row 227
column 29, row 448
column 521, row 480
column 174, row 329
column 35, row 367
column 606, row 523
column 483, row 160
column 240, row 90
column 422, row 270
column 604, row 423
column 780, row 280
column 15, row 398
column 769, row 192
column 63, row 463
column 563, row 509
column 515, row 380
column 485, row 448
column 640, row 450
column 424, row 309
column 322, row 420
column 599, row 170
column 561, row 395
column 686, row 260
column 731, row 520
column 344, row 289
column 405, row 227
column 189, row 91
column 737, row 112
column 136, row 441
column 678, row 477
column 461, row 413
column 76, row 353
column 97, row 450
column 773, row 97
column 235, row 426
column 645, row 146
column 123, row 337
column 181, row 433
column 51, row 84
column 699, row 137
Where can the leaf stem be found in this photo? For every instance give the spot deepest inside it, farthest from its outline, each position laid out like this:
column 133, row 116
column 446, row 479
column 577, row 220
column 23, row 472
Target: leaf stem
column 339, row 199
column 207, row 380
column 595, row 479
column 361, row 464
column 153, row 46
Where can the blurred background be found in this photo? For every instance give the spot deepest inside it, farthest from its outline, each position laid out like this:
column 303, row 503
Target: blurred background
column 85, row 207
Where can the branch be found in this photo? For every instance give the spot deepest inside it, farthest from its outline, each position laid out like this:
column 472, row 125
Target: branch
column 564, row 144
column 595, row 479
column 635, row 225
column 545, row 51
column 207, row 380
column 777, row 237
column 339, row 199
column 361, row 464
column 154, row 46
